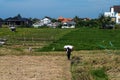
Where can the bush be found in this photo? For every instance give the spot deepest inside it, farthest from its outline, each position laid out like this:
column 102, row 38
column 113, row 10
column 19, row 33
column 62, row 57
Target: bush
column 117, row 26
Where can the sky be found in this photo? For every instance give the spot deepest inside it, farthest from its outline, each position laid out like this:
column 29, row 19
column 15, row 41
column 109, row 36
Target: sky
column 55, row 8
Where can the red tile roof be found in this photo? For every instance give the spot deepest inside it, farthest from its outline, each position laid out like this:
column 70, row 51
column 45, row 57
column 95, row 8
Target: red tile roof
column 64, row 19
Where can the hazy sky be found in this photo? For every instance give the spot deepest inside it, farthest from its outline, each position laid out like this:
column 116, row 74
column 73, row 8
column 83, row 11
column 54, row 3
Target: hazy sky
column 55, row 8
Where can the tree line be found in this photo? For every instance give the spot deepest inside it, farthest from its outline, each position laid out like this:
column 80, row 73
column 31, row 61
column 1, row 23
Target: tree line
column 100, row 22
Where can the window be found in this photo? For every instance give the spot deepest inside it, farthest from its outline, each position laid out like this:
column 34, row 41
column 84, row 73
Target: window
column 119, row 20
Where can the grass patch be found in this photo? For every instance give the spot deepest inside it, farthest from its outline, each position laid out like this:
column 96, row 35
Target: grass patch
column 81, row 71
column 95, row 65
column 78, row 72
column 18, row 49
column 99, row 74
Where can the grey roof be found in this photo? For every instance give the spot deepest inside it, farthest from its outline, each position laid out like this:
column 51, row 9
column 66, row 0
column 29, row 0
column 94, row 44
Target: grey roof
column 71, row 22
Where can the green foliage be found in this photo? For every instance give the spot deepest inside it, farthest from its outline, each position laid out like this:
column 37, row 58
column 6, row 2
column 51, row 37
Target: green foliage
column 18, row 49
column 86, row 22
column 43, row 26
column 104, row 21
column 117, row 26
column 24, row 26
column 87, row 39
column 99, row 74
column 34, row 20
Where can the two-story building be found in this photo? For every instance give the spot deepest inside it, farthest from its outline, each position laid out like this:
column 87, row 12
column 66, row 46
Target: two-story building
column 47, row 21
column 43, row 22
column 114, row 13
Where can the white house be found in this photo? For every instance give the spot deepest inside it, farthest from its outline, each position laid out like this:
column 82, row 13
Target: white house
column 114, row 13
column 37, row 24
column 70, row 24
column 45, row 21
column 67, row 22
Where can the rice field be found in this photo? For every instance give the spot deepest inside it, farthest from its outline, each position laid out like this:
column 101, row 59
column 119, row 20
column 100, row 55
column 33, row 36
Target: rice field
column 30, row 37
column 95, row 56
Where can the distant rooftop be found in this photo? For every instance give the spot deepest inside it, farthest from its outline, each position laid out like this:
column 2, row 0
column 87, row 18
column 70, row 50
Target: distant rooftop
column 117, row 8
column 62, row 19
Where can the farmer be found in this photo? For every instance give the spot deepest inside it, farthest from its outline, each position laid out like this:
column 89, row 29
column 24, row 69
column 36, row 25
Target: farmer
column 13, row 28
column 68, row 49
column 30, row 49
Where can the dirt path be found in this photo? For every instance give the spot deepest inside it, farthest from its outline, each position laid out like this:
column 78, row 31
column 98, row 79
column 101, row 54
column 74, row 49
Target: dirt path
column 34, row 68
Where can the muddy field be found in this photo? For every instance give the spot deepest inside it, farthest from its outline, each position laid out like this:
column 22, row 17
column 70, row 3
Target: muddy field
column 34, row 68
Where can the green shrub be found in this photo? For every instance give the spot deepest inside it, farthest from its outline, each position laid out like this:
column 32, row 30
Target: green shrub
column 117, row 26
column 99, row 74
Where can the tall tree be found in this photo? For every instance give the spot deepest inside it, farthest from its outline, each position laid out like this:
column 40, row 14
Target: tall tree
column 76, row 19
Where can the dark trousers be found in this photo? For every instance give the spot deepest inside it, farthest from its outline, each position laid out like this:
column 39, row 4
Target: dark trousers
column 68, row 55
